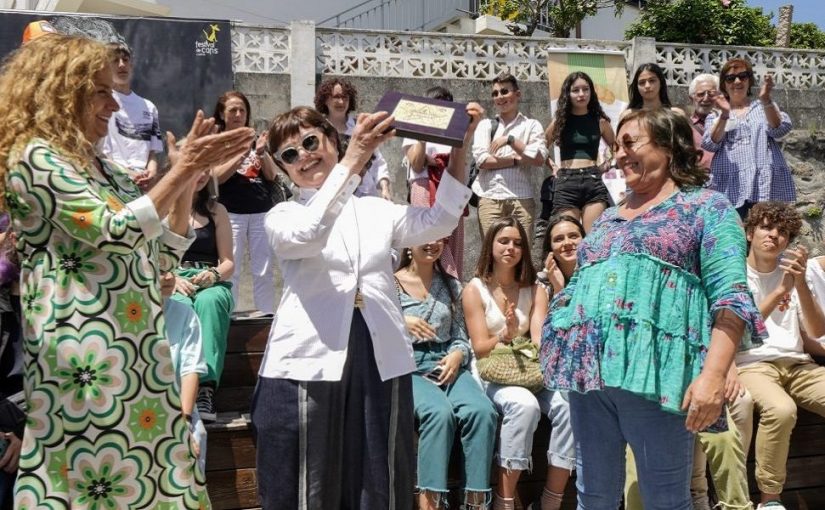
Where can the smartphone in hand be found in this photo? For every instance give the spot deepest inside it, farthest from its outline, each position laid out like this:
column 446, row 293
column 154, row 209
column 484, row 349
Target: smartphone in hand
column 434, row 375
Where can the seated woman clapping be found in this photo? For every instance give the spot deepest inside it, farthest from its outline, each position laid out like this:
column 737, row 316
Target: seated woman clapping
column 500, row 304
column 445, row 395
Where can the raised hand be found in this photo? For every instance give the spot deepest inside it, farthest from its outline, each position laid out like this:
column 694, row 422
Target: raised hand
column 766, row 89
column 371, row 130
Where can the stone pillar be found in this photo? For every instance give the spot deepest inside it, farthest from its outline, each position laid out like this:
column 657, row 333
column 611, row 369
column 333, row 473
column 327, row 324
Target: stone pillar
column 644, row 51
column 302, row 62
column 783, row 26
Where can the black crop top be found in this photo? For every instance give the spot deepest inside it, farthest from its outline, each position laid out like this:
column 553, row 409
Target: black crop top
column 205, row 246
column 581, row 137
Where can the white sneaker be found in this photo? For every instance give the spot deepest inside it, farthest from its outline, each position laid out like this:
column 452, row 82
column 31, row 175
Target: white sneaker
column 772, row 505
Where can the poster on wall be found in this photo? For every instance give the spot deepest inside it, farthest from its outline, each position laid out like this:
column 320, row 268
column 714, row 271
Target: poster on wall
column 181, row 65
column 609, row 75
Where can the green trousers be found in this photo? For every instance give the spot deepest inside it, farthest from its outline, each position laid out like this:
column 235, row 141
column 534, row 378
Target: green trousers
column 213, row 306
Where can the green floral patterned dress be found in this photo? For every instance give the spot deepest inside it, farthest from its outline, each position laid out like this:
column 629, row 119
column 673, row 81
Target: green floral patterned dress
column 104, row 429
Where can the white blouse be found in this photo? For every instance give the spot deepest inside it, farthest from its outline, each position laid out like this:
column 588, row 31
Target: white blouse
column 330, row 243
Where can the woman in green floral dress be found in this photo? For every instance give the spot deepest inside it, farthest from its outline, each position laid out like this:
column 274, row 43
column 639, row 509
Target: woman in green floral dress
column 104, row 429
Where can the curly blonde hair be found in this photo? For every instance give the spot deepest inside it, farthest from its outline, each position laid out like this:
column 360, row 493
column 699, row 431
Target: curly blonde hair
column 47, row 85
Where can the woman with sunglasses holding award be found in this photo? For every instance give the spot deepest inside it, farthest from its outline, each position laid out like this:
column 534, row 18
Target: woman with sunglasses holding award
column 332, row 412
column 748, row 165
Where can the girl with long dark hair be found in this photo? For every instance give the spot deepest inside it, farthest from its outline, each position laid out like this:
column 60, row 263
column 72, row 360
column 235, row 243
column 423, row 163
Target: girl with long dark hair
column 578, row 128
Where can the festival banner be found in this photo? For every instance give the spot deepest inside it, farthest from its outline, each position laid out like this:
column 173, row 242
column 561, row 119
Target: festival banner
column 181, row 65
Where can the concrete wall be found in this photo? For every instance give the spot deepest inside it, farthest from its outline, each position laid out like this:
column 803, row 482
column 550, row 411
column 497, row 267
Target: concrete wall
column 270, row 95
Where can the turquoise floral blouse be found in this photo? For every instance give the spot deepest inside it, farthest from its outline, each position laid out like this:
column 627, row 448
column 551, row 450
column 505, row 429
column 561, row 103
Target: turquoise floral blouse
column 637, row 314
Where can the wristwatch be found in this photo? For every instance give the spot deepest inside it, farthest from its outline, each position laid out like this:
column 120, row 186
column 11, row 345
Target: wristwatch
column 510, row 140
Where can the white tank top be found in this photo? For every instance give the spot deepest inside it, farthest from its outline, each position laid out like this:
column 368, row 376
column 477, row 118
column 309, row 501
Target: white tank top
column 493, row 314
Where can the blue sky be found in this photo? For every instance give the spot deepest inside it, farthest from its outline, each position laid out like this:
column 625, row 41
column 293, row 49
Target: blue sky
column 804, row 11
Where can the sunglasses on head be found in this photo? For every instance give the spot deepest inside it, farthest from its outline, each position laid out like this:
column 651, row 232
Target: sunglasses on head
column 310, row 143
column 500, row 92
column 744, row 75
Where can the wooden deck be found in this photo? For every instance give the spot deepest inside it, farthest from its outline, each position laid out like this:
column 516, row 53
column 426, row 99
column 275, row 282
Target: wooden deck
column 230, row 456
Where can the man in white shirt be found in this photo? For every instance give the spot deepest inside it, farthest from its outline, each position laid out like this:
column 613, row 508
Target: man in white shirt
column 506, row 159
column 134, row 138
column 780, row 374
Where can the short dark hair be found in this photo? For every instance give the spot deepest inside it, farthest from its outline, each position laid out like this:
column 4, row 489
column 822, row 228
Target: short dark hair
column 525, row 272
column 220, row 107
column 289, row 124
column 439, row 92
column 325, row 91
column 777, row 214
column 505, row 77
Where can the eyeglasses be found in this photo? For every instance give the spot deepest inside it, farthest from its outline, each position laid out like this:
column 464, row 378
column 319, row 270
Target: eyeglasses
column 310, row 143
column 744, row 75
column 702, row 95
column 500, row 92
column 629, row 144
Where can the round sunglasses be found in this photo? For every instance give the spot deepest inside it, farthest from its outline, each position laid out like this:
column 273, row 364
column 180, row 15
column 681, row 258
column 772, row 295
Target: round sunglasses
column 310, row 143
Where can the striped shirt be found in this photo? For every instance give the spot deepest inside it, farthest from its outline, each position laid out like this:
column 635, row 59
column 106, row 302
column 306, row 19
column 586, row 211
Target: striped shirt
column 511, row 182
column 748, row 165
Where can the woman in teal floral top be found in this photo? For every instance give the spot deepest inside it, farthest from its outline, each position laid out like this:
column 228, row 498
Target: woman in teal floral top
column 648, row 326
column 445, row 394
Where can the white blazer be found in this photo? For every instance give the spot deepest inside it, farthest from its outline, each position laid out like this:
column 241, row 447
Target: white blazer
column 329, row 243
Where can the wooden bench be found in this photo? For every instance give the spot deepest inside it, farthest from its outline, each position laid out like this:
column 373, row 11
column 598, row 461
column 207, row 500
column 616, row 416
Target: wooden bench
column 230, row 458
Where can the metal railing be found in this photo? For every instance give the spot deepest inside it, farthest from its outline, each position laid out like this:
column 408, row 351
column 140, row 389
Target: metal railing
column 418, row 15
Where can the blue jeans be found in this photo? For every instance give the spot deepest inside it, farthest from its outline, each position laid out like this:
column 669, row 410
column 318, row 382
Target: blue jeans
column 604, row 423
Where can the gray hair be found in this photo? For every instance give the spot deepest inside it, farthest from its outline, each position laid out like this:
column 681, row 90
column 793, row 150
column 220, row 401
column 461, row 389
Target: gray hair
column 704, row 77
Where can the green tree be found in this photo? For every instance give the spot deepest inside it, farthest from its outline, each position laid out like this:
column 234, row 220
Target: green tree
column 704, row 22
column 558, row 17
column 807, row 35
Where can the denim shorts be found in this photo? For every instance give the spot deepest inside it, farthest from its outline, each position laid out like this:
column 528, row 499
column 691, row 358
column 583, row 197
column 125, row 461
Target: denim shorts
column 577, row 187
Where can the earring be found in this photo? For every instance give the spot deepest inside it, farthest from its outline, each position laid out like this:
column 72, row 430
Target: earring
column 409, row 252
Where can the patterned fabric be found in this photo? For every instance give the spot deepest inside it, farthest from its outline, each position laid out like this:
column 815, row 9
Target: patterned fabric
column 637, row 315
column 445, row 318
column 748, row 164
column 104, row 429
column 452, row 258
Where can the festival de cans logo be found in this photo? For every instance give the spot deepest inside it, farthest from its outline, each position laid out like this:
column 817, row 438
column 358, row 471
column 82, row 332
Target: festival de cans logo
column 207, row 43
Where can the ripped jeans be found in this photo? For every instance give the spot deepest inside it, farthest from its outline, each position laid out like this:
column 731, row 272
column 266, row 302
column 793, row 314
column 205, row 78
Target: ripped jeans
column 520, row 410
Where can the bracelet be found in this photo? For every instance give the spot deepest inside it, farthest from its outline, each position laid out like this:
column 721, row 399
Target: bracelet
column 215, row 272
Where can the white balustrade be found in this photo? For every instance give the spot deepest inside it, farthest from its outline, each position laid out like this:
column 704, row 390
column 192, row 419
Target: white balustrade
column 791, row 68
column 260, row 49
column 348, row 52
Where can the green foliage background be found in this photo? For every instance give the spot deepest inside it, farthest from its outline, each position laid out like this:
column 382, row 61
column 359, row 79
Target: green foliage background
column 710, row 22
